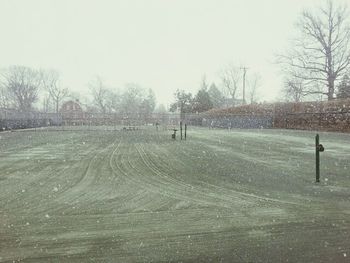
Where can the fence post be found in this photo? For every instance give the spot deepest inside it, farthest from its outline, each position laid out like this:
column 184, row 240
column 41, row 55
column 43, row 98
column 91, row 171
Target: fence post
column 185, row 130
column 317, row 141
column 181, row 129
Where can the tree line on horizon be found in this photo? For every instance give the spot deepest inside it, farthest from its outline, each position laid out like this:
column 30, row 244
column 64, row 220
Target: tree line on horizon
column 27, row 89
column 21, row 88
column 314, row 67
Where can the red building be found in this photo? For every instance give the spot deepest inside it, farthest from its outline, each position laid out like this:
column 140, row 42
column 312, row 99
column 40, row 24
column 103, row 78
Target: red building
column 71, row 111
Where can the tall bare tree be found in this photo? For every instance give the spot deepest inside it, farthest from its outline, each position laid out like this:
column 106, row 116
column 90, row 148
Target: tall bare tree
column 230, row 77
column 46, row 106
column 131, row 99
column 5, row 101
column 321, row 53
column 22, row 84
column 113, row 102
column 100, row 94
column 52, row 83
column 254, row 83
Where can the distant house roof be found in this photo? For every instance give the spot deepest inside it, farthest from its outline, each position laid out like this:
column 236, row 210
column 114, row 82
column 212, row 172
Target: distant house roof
column 71, row 106
column 71, row 110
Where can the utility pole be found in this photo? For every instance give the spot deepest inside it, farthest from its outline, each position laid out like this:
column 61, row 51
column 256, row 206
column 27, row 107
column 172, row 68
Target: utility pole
column 244, row 73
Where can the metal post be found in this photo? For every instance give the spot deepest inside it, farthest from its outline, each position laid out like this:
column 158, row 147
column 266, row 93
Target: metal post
column 185, row 131
column 317, row 140
column 244, row 85
column 174, row 134
column 181, row 129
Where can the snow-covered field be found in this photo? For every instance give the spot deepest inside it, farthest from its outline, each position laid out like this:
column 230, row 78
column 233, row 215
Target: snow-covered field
column 138, row 196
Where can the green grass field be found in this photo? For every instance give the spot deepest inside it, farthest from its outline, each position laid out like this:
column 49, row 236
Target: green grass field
column 138, row 196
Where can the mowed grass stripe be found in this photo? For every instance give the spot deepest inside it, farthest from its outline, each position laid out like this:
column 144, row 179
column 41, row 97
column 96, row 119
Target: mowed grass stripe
column 242, row 196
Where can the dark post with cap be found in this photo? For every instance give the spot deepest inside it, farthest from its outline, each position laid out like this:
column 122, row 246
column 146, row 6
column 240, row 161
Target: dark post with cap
column 319, row 148
column 185, row 131
column 173, row 136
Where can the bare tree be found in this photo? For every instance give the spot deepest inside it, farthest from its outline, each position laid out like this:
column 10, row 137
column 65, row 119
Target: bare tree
column 113, row 101
column 321, row 54
column 100, row 94
column 46, row 103
column 5, row 101
column 294, row 89
column 52, row 83
column 22, row 84
column 254, row 83
column 131, row 99
column 230, row 78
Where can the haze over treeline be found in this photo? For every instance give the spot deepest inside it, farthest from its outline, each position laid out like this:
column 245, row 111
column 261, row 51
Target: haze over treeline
column 312, row 65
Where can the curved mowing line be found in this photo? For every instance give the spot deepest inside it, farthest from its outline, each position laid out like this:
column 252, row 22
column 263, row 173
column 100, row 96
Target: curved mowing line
column 146, row 182
column 186, row 191
column 116, row 163
column 112, row 156
column 228, row 197
column 204, row 191
column 76, row 190
column 39, row 191
column 221, row 190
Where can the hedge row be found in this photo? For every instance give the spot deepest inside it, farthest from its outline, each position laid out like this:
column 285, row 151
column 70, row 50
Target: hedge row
column 326, row 115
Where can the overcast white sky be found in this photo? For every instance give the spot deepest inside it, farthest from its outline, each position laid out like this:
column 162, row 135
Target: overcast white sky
column 159, row 44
